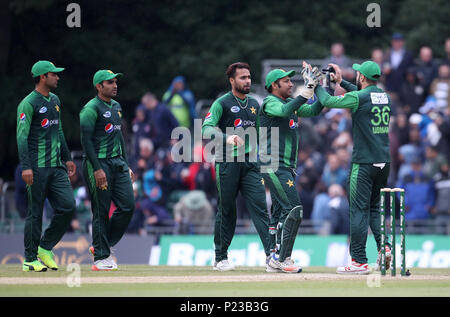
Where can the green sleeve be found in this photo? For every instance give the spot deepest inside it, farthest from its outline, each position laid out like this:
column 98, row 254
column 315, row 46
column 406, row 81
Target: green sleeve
column 276, row 108
column 88, row 117
column 349, row 100
column 65, row 153
column 310, row 110
column 212, row 120
column 23, row 129
column 348, row 86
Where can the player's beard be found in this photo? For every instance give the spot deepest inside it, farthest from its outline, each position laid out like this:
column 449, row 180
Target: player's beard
column 51, row 84
column 111, row 93
column 358, row 82
column 285, row 93
column 243, row 90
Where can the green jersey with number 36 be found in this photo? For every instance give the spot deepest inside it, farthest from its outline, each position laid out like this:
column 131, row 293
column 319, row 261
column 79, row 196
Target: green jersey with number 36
column 371, row 111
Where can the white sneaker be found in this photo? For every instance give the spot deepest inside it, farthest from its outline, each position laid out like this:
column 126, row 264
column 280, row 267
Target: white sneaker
column 223, row 265
column 270, row 269
column 103, row 265
column 354, row 268
column 113, row 263
column 289, row 260
column 388, row 259
column 287, row 266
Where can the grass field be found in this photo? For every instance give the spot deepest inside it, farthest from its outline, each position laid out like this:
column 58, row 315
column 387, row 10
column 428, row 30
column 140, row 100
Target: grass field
column 168, row 281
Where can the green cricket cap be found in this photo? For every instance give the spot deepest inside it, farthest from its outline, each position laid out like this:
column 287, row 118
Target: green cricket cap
column 369, row 69
column 276, row 74
column 104, row 74
column 44, row 67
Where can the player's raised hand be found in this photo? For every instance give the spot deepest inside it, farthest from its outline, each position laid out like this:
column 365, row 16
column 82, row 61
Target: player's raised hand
column 306, row 65
column 27, row 176
column 100, row 179
column 337, row 75
column 308, row 77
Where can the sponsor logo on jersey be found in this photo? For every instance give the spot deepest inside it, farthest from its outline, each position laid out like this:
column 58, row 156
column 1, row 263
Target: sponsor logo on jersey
column 110, row 127
column 292, row 124
column 208, row 115
column 45, row 123
column 247, row 123
column 235, row 109
column 107, row 114
column 43, row 110
column 237, row 123
column 22, row 117
column 379, row 98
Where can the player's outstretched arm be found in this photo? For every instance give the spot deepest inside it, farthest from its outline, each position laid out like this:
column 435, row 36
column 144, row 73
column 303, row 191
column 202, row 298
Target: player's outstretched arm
column 310, row 110
column 349, row 100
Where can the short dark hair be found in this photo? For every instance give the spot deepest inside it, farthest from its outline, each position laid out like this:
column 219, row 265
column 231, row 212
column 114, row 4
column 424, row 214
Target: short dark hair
column 231, row 70
column 37, row 79
column 270, row 87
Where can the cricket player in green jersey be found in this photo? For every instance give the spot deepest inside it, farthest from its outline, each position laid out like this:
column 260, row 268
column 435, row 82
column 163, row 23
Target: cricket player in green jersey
column 371, row 110
column 105, row 169
column 280, row 112
column 236, row 110
column 46, row 165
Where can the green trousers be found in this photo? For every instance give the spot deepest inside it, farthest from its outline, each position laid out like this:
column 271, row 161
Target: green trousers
column 52, row 183
column 107, row 232
column 285, row 202
column 365, row 182
column 231, row 178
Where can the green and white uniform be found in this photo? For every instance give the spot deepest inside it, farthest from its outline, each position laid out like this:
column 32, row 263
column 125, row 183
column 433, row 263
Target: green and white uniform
column 103, row 144
column 371, row 110
column 43, row 149
column 234, row 176
column 287, row 210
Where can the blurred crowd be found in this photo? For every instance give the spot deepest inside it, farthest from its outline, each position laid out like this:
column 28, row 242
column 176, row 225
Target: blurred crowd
column 183, row 195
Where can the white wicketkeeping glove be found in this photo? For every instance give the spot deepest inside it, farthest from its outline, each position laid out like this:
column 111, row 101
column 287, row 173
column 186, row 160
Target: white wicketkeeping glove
column 311, row 78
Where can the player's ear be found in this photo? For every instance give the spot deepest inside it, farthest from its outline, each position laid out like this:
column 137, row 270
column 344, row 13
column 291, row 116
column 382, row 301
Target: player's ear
column 362, row 77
